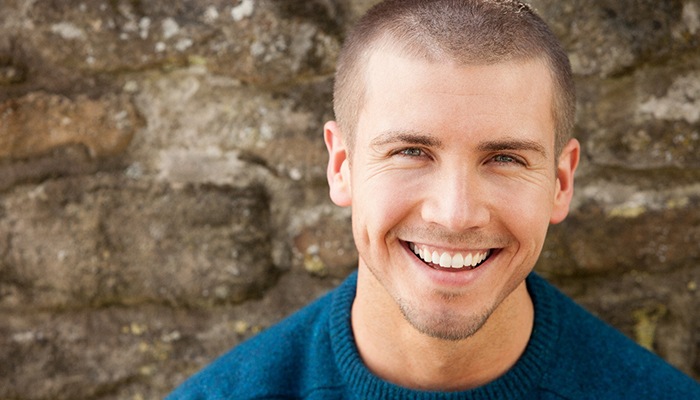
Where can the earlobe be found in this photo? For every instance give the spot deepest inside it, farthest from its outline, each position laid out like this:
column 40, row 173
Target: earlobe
column 338, row 171
column 566, row 167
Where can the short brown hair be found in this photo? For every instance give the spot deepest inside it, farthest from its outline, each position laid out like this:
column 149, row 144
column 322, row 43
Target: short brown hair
column 465, row 31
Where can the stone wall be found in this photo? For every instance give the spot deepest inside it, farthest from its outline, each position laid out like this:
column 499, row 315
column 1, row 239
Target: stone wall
column 163, row 194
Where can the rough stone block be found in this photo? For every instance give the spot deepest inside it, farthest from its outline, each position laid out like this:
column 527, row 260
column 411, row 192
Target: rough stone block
column 87, row 241
column 648, row 120
column 608, row 38
column 324, row 244
column 191, row 113
column 622, row 228
column 37, row 123
column 120, row 352
column 265, row 42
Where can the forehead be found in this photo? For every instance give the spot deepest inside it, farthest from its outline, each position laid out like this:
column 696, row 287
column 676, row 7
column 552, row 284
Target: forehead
column 408, row 93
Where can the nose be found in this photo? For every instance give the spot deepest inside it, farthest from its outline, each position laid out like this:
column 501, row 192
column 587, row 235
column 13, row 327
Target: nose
column 457, row 201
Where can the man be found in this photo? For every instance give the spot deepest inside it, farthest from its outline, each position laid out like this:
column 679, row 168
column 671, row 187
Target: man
column 453, row 147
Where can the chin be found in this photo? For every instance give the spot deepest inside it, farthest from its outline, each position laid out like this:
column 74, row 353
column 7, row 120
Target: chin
column 444, row 324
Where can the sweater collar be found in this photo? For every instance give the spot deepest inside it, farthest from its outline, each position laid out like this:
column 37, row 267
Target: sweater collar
column 520, row 380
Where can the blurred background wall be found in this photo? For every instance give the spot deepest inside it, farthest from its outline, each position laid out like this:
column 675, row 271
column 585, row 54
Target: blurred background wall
column 163, row 194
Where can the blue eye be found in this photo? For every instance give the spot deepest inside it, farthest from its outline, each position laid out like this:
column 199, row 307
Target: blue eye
column 506, row 159
column 411, row 152
column 503, row 158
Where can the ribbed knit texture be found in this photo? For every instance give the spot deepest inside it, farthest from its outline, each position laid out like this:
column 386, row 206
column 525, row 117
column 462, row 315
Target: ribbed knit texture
column 312, row 355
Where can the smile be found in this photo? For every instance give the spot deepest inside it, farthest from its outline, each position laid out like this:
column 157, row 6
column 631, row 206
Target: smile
column 444, row 259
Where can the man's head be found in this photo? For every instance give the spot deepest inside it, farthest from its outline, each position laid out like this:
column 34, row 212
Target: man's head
column 467, row 32
column 454, row 177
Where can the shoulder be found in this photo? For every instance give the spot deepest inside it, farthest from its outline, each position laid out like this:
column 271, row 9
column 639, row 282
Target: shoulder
column 283, row 362
column 594, row 360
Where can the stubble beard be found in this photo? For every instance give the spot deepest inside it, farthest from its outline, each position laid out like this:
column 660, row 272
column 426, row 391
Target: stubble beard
column 446, row 324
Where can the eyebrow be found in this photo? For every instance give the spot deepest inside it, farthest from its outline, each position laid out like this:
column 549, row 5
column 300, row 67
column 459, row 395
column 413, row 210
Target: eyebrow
column 513, row 144
column 413, row 137
column 406, row 137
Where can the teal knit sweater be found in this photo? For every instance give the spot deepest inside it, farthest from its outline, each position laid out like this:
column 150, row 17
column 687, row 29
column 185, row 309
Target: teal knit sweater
column 312, row 355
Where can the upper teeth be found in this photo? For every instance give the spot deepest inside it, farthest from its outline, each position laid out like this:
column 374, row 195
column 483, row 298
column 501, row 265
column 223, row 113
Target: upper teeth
column 445, row 259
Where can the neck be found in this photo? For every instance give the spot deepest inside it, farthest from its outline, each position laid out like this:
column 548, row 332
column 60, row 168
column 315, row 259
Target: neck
column 395, row 351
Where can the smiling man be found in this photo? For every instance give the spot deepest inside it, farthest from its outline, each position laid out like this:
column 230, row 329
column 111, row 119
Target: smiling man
column 453, row 147
column 453, row 181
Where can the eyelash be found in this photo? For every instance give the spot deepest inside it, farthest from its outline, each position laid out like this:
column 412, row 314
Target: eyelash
column 498, row 158
column 415, row 152
column 412, row 152
column 406, row 152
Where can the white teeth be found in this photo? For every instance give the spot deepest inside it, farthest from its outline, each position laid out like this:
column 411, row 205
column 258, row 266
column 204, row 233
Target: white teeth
column 425, row 255
column 446, row 260
column 468, row 260
column 457, row 261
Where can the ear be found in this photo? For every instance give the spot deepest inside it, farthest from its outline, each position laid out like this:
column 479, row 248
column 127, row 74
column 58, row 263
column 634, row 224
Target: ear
column 568, row 161
column 338, row 171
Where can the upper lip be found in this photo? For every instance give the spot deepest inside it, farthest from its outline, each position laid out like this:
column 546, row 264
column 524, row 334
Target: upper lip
column 449, row 249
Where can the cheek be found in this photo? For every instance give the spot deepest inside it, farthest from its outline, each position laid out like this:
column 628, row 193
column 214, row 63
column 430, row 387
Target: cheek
column 525, row 209
column 379, row 205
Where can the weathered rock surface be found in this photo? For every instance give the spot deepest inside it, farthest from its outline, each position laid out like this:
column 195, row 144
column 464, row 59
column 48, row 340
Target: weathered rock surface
column 163, row 190
column 75, row 243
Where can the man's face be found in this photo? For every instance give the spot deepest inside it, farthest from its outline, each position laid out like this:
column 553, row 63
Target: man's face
column 453, row 182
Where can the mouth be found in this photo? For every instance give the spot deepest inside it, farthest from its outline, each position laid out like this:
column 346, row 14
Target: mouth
column 450, row 261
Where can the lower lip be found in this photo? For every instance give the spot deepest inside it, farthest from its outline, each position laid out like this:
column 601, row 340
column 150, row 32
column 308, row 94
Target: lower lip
column 450, row 276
